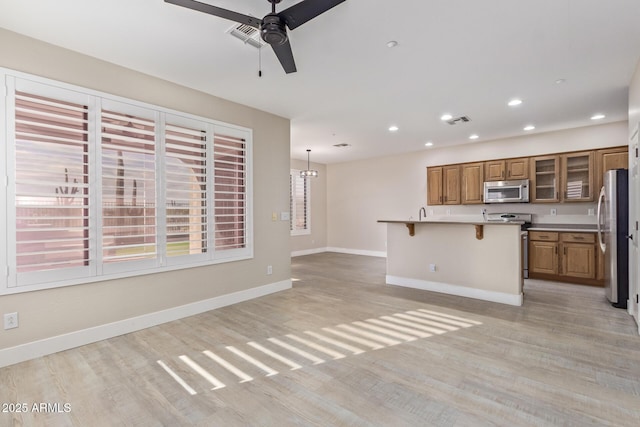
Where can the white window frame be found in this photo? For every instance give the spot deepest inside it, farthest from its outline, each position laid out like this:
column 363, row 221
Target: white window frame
column 294, row 177
column 11, row 282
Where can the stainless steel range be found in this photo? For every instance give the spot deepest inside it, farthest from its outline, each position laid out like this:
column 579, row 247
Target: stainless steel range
column 526, row 223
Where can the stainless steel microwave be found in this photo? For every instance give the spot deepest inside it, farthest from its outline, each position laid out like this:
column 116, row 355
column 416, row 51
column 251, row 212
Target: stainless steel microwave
column 516, row 191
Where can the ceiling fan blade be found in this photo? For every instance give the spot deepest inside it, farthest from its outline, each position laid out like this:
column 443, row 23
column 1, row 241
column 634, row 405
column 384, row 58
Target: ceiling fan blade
column 218, row 11
column 285, row 56
column 305, row 11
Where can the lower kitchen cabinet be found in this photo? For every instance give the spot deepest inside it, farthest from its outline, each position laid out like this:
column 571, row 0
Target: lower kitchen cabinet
column 579, row 260
column 543, row 257
column 565, row 256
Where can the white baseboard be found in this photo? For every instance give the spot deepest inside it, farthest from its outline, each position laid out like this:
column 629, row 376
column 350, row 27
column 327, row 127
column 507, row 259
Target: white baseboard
column 463, row 291
column 379, row 254
column 308, row 252
column 32, row 350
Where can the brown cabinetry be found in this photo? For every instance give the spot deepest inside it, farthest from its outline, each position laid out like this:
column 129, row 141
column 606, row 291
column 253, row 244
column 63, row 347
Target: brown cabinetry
column 568, row 177
column 495, row 170
column 499, row 170
column 607, row 159
column 545, row 176
column 518, row 168
column 443, row 185
column 564, row 256
column 472, row 183
column 434, row 186
column 577, row 177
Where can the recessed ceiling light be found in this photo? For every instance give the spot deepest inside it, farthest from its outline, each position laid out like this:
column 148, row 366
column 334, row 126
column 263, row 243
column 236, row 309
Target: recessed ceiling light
column 598, row 116
column 393, row 128
column 446, row 117
column 428, row 144
column 529, row 127
column 561, row 81
column 474, row 136
column 392, row 43
column 514, row 102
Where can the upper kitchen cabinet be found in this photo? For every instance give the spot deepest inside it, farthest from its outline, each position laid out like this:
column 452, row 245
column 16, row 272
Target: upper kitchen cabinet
column 577, row 177
column 443, row 185
column 545, row 177
column 434, row 186
column 472, row 183
column 500, row 170
column 607, row 159
column 451, row 184
column 518, row 168
column 494, row 170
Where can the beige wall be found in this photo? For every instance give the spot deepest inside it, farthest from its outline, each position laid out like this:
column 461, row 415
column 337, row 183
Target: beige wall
column 318, row 238
column 48, row 313
column 361, row 192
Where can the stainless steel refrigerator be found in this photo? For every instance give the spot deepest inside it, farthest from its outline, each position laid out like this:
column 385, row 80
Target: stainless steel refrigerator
column 613, row 225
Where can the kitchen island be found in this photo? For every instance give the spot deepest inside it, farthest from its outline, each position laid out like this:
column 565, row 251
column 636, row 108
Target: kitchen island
column 475, row 259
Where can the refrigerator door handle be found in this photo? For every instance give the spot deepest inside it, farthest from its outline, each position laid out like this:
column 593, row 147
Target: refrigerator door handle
column 600, row 218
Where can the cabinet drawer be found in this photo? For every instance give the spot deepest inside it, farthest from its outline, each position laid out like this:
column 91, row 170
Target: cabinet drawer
column 579, row 237
column 547, row 236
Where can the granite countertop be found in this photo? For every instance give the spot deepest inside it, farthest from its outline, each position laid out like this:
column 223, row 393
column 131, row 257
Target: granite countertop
column 587, row 228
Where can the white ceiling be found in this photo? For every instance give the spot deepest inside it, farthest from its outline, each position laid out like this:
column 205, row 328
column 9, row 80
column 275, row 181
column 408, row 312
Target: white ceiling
column 464, row 57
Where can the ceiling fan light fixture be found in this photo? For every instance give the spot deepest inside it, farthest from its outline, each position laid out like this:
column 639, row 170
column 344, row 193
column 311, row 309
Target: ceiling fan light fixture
column 272, row 30
column 309, row 173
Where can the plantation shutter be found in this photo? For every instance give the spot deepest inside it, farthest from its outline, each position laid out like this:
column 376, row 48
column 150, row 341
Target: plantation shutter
column 186, row 190
column 128, row 187
column 51, row 184
column 229, row 192
column 299, row 203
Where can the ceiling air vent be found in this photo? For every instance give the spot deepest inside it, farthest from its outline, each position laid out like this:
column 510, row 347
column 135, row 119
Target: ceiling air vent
column 249, row 35
column 342, row 145
column 458, row 120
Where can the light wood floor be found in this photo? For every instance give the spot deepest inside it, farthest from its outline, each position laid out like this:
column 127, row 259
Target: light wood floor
column 565, row 358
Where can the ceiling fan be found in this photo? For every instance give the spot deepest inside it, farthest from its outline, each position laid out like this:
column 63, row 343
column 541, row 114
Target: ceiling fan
column 273, row 26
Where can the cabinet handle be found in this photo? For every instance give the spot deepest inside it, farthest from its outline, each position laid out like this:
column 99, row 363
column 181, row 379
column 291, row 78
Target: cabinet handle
column 556, row 248
column 502, row 175
column 440, row 199
column 578, row 237
column 557, row 195
column 565, row 250
column 445, row 198
column 509, row 173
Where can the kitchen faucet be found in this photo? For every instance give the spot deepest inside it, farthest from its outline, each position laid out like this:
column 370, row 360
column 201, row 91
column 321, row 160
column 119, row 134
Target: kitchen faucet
column 420, row 212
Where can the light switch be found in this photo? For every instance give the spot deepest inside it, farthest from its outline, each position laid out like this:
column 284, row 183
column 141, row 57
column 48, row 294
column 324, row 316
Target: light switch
column 274, row 216
column 284, row 216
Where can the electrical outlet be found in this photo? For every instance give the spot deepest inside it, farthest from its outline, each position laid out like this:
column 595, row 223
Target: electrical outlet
column 284, row 216
column 430, row 212
column 591, row 212
column 554, row 212
column 269, row 269
column 11, row 320
column 448, row 211
column 432, row 268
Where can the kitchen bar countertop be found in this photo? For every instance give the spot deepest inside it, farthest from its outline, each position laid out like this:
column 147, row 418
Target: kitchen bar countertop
column 451, row 221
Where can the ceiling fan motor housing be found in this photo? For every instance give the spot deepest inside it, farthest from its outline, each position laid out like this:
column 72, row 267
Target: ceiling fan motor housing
column 272, row 30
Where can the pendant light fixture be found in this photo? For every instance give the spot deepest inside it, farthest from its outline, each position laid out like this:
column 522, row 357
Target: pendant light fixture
column 308, row 173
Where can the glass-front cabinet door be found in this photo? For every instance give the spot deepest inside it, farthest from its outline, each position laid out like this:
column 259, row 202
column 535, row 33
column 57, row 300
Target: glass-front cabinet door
column 577, row 177
column 545, row 171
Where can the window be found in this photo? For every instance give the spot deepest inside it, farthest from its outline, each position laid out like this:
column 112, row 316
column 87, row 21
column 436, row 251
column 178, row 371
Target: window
column 299, row 204
column 101, row 186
